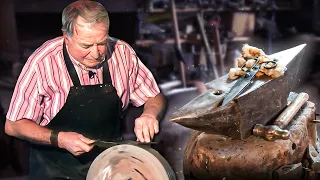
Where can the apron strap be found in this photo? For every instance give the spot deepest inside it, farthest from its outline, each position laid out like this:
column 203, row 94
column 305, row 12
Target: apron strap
column 73, row 73
column 106, row 73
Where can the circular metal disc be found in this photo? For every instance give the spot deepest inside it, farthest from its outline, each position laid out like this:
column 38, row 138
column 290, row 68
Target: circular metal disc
column 124, row 162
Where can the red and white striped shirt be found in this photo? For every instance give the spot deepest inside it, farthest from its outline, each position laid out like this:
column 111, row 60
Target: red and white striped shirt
column 44, row 83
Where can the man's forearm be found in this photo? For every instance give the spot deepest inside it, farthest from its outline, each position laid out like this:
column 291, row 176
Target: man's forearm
column 29, row 131
column 155, row 106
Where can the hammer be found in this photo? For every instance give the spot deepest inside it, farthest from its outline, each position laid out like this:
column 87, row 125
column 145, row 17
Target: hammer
column 276, row 130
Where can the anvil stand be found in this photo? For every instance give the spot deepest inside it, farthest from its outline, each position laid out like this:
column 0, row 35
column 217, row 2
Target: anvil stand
column 214, row 156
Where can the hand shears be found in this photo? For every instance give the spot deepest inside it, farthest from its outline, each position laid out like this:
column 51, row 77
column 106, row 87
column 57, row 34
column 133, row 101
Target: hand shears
column 243, row 82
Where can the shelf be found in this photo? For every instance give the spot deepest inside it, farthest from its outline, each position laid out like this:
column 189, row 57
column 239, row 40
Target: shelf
column 240, row 39
column 148, row 42
column 244, row 9
column 186, row 10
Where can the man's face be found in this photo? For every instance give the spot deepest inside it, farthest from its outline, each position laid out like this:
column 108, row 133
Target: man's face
column 88, row 44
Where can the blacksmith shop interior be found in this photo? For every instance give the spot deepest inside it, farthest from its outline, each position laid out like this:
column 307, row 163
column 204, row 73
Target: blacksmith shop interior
column 194, row 50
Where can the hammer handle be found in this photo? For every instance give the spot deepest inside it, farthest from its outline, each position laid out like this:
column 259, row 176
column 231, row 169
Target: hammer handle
column 286, row 116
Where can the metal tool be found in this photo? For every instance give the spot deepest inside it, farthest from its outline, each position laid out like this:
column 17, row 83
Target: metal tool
column 276, row 130
column 107, row 144
column 243, row 82
column 211, row 62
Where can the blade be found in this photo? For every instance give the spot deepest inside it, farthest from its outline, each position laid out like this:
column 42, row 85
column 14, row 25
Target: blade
column 239, row 86
column 107, row 144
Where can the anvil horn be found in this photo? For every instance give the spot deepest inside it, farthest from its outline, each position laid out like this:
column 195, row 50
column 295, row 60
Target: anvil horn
column 258, row 104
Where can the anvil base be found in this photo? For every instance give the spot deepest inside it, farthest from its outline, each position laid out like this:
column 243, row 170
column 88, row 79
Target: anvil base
column 212, row 156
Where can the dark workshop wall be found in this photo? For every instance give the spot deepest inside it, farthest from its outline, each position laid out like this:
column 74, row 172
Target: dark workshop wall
column 35, row 25
column 54, row 6
column 41, row 19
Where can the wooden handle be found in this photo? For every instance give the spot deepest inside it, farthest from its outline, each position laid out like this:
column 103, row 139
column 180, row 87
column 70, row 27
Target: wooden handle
column 286, row 116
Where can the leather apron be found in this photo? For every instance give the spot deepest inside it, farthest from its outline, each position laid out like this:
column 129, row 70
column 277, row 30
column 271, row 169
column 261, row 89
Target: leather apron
column 91, row 110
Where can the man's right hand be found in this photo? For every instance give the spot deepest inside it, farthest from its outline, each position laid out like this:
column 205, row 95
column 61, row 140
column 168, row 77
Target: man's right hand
column 28, row 130
column 74, row 142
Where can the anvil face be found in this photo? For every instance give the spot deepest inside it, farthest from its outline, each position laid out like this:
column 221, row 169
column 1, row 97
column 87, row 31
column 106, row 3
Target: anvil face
column 258, row 104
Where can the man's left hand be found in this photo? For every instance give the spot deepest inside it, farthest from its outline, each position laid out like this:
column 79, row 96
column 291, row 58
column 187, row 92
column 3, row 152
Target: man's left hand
column 146, row 126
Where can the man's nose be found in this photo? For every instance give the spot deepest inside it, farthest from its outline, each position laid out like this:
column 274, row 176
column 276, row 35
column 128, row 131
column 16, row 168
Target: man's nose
column 95, row 52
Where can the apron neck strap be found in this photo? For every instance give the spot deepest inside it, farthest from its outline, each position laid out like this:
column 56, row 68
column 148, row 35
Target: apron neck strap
column 106, row 73
column 71, row 69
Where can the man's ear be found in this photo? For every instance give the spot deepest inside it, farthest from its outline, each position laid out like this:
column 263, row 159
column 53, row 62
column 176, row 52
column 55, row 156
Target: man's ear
column 64, row 33
column 65, row 36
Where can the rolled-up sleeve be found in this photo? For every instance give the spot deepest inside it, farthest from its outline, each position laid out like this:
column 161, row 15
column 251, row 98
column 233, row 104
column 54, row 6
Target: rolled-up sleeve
column 142, row 82
column 26, row 101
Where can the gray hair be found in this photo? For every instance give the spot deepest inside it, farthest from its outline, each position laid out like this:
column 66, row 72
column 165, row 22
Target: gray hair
column 91, row 11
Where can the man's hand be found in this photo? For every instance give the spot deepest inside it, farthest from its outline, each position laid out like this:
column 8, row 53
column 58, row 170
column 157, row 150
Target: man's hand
column 75, row 143
column 28, row 130
column 146, row 126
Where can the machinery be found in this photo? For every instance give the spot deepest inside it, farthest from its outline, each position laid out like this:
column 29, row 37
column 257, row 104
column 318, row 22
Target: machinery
column 129, row 160
column 266, row 132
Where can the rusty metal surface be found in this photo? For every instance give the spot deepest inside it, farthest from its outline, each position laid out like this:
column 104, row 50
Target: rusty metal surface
column 257, row 105
column 212, row 156
column 289, row 172
column 314, row 158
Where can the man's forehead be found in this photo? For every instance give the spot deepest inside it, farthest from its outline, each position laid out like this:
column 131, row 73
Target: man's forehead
column 82, row 23
column 85, row 34
column 89, row 41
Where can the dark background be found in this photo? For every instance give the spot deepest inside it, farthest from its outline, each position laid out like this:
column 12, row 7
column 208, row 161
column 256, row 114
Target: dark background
column 35, row 21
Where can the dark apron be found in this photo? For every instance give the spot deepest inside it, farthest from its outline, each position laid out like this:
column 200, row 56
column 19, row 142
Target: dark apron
column 93, row 111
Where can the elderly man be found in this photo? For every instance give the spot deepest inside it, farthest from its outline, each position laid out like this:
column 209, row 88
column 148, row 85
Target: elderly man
column 72, row 91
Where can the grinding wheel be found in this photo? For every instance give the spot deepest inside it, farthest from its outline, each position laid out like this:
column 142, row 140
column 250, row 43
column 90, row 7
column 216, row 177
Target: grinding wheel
column 124, row 162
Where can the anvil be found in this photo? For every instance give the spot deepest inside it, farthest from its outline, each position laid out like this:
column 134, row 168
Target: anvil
column 258, row 104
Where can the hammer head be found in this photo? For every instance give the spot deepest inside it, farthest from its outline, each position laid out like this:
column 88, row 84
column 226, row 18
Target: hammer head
column 271, row 132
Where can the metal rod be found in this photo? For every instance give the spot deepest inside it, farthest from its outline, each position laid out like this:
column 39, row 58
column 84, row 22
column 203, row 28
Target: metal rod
column 217, row 46
column 177, row 40
column 212, row 63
